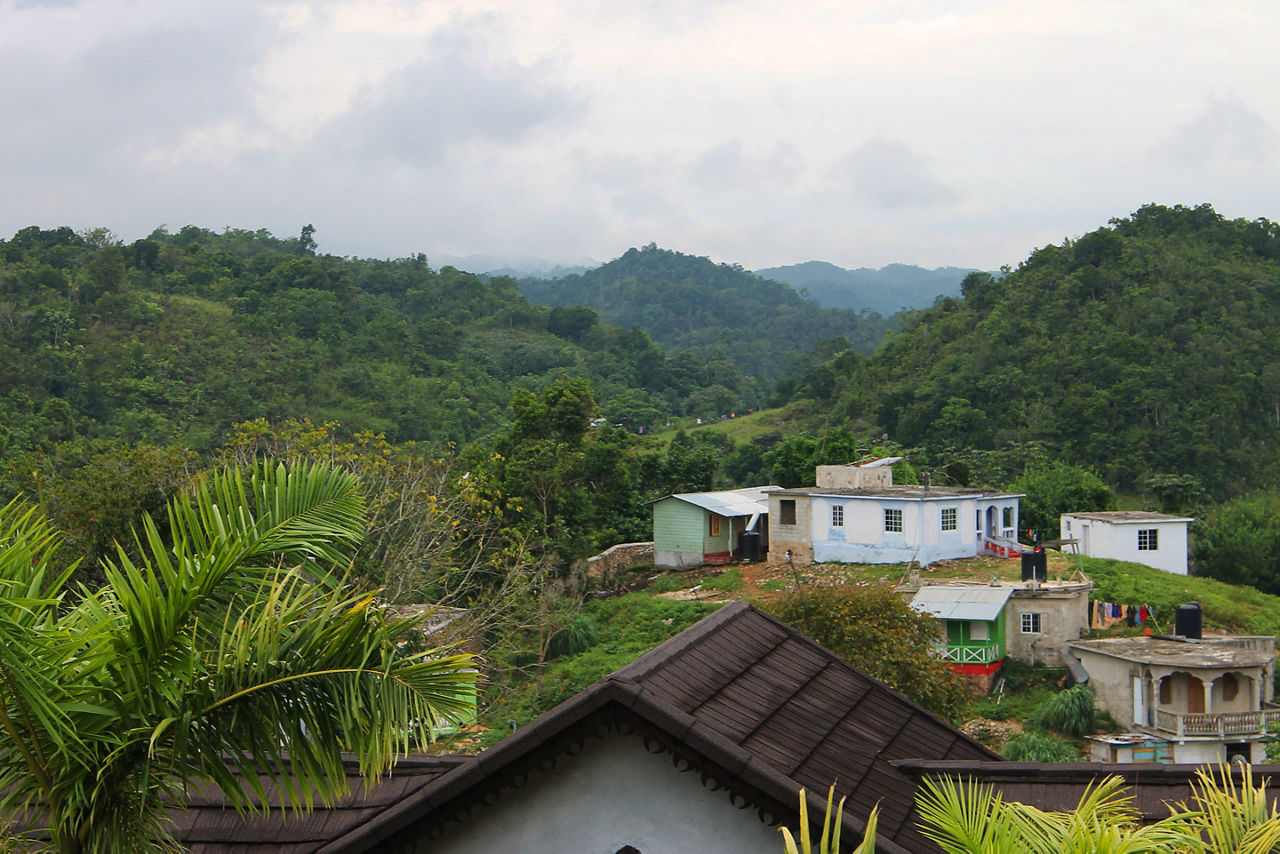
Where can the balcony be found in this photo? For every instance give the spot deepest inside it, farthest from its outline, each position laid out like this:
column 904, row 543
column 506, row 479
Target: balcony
column 1219, row 725
column 967, row 654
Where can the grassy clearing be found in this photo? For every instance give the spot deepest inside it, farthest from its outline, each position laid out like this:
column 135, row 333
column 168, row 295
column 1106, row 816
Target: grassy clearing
column 1242, row 610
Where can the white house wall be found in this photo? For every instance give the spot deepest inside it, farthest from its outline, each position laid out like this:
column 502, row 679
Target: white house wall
column 1120, row 541
column 863, row 539
column 613, row 794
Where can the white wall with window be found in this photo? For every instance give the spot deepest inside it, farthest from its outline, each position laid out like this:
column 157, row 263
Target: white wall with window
column 921, row 524
column 1154, row 539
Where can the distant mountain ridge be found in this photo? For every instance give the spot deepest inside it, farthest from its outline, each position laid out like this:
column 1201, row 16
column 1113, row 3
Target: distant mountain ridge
column 691, row 304
column 887, row 291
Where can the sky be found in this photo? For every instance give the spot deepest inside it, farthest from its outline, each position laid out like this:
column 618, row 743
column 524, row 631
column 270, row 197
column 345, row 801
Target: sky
column 863, row 133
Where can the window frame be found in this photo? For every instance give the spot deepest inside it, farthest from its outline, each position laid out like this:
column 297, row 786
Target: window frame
column 1148, row 539
column 837, row 515
column 949, row 520
column 893, row 520
column 1032, row 623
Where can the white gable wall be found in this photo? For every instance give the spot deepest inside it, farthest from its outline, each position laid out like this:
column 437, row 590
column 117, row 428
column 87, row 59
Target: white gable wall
column 613, row 794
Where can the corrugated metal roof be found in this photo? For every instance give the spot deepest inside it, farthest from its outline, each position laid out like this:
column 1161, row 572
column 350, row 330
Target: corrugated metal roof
column 736, row 502
column 961, row 603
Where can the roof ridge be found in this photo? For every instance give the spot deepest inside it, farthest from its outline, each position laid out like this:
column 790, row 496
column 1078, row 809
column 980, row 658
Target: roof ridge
column 675, row 646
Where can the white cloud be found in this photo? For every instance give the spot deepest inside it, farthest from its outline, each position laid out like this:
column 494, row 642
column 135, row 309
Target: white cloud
column 758, row 131
column 1227, row 134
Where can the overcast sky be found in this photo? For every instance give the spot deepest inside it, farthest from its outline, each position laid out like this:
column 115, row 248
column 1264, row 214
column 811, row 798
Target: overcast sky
column 928, row 132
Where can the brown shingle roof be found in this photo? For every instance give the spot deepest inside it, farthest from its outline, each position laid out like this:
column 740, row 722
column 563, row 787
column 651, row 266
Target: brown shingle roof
column 746, row 698
column 743, row 698
column 209, row 825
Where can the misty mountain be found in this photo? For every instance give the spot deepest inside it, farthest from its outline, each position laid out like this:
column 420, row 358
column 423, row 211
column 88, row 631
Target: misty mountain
column 886, row 291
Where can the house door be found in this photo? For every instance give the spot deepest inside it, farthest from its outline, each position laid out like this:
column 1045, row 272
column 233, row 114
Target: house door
column 1139, row 703
column 1195, row 695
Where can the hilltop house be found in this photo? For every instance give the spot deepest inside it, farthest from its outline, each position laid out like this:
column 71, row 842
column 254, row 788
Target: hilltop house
column 1187, row 699
column 701, row 744
column 857, row 514
column 983, row 623
column 1153, row 539
column 695, row 528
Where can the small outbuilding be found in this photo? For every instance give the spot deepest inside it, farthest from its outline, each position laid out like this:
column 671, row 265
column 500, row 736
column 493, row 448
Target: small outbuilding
column 1154, row 539
column 696, row 528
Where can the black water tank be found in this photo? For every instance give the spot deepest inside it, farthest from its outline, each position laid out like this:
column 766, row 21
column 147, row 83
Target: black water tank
column 1186, row 622
column 749, row 545
column 1035, row 564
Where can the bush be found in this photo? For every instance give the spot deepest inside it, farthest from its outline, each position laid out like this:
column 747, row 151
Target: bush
column 1036, row 746
column 1069, row 712
column 579, row 635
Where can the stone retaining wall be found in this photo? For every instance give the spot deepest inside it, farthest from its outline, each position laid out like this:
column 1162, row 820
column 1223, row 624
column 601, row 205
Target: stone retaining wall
column 613, row 560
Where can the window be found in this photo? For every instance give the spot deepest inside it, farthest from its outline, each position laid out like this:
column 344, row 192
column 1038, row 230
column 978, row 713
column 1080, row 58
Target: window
column 893, row 521
column 715, row 525
column 1148, row 540
column 1230, row 687
column 978, row 631
column 1031, row 624
column 787, row 509
column 948, row 518
column 837, row 516
column 1007, row 517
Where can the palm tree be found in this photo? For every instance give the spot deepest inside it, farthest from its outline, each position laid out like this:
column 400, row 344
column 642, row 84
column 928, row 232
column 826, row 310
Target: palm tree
column 214, row 656
column 829, row 843
column 964, row 817
column 968, row 818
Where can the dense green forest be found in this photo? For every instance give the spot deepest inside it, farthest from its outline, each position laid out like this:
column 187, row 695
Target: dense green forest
column 690, row 304
column 1147, row 350
column 173, row 338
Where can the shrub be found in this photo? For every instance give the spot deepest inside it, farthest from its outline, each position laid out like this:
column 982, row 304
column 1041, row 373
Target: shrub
column 1069, row 712
column 581, row 634
column 1034, row 746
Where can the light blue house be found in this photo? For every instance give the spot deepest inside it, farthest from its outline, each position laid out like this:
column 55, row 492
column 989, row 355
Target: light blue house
column 856, row 514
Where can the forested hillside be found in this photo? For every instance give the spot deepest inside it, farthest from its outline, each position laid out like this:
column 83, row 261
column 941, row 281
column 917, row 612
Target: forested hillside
column 173, row 338
column 886, row 291
column 1149, row 348
column 690, row 304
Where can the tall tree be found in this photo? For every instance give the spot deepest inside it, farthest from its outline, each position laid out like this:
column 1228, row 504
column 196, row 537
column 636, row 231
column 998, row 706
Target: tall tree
column 212, row 657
